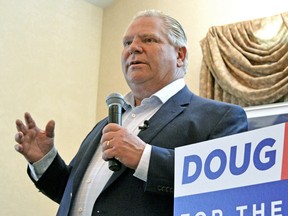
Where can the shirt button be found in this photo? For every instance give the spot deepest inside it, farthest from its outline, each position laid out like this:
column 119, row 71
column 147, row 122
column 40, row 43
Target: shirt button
column 88, row 181
column 133, row 115
column 80, row 209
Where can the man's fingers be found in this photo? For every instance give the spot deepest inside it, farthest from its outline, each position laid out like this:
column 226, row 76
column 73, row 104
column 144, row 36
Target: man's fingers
column 111, row 127
column 18, row 148
column 29, row 120
column 50, row 129
column 18, row 125
column 18, row 137
column 21, row 127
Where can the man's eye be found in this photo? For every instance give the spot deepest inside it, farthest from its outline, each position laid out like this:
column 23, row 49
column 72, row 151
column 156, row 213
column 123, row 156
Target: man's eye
column 126, row 43
column 149, row 40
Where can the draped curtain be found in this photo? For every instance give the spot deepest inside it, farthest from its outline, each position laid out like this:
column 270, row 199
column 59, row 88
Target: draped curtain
column 246, row 63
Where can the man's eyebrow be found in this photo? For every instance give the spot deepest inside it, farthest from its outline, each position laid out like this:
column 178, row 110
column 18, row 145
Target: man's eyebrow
column 148, row 35
column 126, row 38
column 141, row 36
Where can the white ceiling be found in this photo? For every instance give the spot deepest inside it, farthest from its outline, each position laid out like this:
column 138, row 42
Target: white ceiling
column 101, row 3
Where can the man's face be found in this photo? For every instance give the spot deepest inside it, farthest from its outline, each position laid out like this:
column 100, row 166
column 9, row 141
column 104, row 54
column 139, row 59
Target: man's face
column 148, row 59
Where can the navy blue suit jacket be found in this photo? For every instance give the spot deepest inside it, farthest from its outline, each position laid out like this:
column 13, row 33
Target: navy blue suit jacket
column 184, row 119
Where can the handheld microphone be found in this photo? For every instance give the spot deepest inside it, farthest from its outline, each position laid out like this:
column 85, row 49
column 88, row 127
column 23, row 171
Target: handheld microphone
column 115, row 103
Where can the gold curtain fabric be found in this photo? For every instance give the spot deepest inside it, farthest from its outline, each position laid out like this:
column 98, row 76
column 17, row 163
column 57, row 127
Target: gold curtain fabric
column 246, row 63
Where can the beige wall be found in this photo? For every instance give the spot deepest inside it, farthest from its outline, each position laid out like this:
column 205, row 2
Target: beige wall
column 49, row 64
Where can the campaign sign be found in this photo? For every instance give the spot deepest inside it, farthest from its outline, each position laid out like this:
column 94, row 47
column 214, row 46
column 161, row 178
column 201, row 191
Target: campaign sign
column 240, row 175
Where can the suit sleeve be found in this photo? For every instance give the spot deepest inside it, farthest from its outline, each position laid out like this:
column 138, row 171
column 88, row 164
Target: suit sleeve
column 233, row 121
column 53, row 182
column 161, row 171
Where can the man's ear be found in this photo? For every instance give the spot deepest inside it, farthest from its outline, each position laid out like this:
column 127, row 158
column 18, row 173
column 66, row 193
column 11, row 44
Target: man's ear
column 182, row 51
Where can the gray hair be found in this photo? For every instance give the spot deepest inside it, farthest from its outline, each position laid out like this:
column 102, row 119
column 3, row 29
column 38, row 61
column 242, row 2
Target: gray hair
column 175, row 32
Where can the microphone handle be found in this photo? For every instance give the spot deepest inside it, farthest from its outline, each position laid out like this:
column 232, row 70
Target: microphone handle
column 114, row 165
column 115, row 116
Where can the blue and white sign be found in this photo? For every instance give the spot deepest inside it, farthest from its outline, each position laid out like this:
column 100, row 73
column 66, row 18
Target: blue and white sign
column 240, row 175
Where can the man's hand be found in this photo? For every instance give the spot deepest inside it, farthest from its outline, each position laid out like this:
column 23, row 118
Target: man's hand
column 118, row 143
column 34, row 143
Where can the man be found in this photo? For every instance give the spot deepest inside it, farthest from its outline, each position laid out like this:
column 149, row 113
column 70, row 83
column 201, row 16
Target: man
column 154, row 62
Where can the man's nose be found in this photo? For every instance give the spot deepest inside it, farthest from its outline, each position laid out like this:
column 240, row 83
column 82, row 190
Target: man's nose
column 135, row 47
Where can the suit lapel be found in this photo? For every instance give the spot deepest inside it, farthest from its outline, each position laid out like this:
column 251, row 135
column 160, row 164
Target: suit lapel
column 114, row 176
column 85, row 154
column 170, row 110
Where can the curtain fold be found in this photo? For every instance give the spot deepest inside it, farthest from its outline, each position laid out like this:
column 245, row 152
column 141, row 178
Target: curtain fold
column 246, row 63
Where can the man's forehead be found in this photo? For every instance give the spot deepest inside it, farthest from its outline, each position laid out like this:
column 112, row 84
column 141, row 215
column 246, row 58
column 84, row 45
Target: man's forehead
column 144, row 26
column 146, row 20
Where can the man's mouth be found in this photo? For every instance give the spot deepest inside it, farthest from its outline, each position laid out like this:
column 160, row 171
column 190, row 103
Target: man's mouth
column 135, row 63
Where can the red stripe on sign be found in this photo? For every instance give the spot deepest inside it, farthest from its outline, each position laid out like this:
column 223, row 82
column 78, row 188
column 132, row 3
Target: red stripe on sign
column 284, row 174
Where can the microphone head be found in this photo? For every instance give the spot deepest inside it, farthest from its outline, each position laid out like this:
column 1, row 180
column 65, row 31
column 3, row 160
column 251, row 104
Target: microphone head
column 115, row 98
